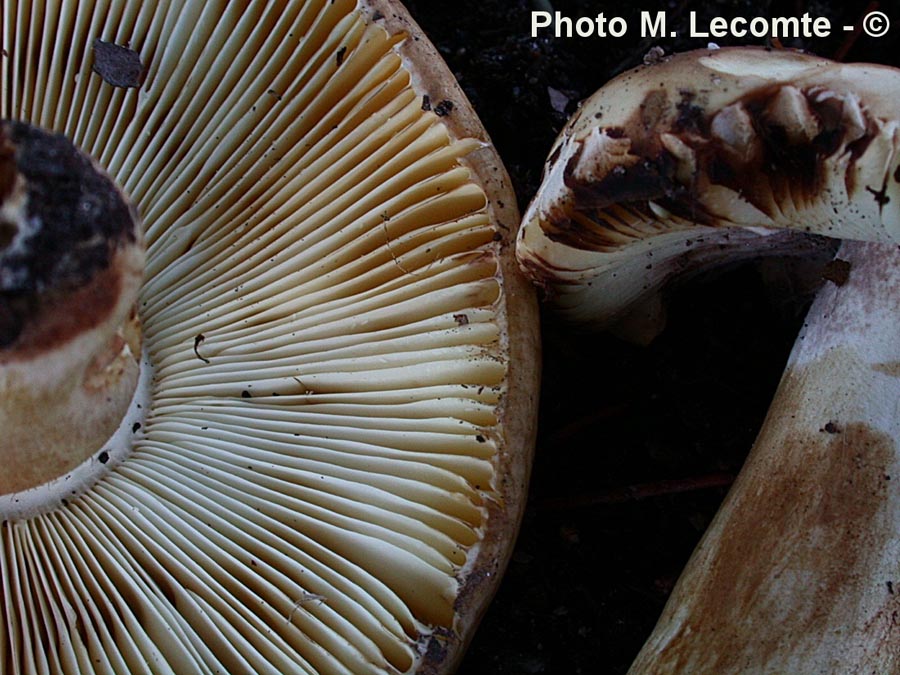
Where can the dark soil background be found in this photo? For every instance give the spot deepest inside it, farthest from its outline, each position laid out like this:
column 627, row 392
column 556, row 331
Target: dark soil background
column 636, row 445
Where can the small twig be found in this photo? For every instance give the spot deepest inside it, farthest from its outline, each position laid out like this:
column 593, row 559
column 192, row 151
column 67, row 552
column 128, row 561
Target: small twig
column 387, row 241
column 851, row 39
column 306, row 390
column 305, row 599
column 583, row 423
column 631, row 493
column 197, row 340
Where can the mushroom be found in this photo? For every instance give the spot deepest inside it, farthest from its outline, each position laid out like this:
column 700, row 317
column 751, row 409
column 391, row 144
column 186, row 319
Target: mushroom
column 315, row 456
column 670, row 169
column 715, row 155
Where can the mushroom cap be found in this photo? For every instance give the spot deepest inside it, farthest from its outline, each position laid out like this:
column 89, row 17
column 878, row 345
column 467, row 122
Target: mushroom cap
column 70, row 270
column 341, row 355
column 705, row 157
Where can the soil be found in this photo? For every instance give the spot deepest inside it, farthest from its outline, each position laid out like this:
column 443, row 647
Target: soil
column 637, row 445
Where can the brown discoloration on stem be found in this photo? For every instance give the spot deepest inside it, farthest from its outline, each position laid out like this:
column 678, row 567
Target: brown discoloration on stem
column 825, row 500
column 796, row 572
column 892, row 369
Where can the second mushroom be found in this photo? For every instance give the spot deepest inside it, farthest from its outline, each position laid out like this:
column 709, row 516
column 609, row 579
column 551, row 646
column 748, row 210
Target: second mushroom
column 698, row 160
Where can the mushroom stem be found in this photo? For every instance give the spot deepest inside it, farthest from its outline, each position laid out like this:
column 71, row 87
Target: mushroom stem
column 71, row 264
column 798, row 571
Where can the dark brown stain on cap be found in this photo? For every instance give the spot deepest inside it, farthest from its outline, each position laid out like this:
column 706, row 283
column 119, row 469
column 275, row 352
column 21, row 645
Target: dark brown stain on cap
column 8, row 170
column 75, row 220
column 768, row 167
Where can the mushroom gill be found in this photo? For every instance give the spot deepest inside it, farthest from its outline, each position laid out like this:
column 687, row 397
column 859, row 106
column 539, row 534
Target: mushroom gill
column 340, row 356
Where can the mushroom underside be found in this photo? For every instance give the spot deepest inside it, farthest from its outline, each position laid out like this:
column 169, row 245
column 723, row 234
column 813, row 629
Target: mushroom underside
column 339, row 355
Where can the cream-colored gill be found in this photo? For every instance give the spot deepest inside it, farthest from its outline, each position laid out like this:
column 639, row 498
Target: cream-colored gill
column 327, row 340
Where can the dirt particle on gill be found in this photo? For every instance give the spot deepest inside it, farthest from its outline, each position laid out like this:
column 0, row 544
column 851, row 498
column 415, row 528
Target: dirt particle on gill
column 443, row 108
column 691, row 116
column 118, row 66
column 837, row 271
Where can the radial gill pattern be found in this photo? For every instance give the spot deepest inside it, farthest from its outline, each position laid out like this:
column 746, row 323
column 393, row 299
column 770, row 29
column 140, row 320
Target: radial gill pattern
column 325, row 321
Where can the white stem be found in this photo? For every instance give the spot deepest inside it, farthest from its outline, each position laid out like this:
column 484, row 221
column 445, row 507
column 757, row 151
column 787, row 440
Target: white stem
column 800, row 570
